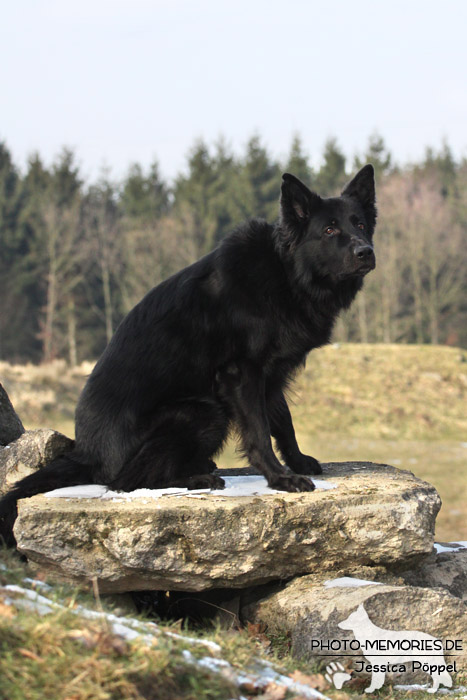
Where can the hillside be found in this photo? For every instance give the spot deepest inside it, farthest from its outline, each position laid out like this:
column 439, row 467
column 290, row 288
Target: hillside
column 401, row 404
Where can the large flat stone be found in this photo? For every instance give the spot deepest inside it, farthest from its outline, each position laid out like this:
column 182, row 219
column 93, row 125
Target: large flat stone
column 376, row 514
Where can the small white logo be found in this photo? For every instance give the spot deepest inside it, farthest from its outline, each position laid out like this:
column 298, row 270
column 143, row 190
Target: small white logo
column 406, row 649
column 336, row 674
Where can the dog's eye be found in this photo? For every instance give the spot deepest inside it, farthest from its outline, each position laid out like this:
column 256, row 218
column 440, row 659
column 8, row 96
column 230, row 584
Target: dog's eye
column 361, row 226
column 329, row 231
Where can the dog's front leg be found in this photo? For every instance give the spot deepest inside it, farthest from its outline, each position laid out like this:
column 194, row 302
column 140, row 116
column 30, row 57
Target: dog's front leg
column 241, row 385
column 377, row 681
column 283, row 432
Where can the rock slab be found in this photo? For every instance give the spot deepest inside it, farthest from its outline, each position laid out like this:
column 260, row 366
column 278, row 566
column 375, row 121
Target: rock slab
column 375, row 515
column 447, row 570
column 31, row 451
column 11, row 426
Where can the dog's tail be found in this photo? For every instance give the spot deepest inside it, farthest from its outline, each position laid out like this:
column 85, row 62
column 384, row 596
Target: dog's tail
column 66, row 470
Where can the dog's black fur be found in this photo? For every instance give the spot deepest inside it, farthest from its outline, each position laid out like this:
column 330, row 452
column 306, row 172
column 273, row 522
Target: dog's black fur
column 215, row 346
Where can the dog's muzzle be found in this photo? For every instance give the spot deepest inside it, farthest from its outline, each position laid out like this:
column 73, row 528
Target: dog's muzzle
column 364, row 257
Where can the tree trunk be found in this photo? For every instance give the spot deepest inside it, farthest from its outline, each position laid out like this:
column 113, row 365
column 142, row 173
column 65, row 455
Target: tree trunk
column 418, row 301
column 107, row 299
column 71, row 322
column 50, row 311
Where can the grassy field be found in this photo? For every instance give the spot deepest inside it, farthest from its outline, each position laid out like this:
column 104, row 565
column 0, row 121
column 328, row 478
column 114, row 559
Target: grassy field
column 398, row 404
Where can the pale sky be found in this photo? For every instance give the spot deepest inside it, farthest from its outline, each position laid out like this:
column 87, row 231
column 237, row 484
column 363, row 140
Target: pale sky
column 133, row 80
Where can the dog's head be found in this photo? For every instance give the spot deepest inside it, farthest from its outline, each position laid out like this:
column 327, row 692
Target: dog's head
column 355, row 620
column 330, row 238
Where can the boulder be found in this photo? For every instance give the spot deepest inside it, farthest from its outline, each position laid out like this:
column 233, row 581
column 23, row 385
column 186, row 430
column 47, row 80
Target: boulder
column 31, row 451
column 447, row 568
column 360, row 513
column 314, row 611
column 11, row 426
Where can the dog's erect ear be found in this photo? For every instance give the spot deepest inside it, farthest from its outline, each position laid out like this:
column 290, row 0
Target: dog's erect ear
column 297, row 201
column 362, row 188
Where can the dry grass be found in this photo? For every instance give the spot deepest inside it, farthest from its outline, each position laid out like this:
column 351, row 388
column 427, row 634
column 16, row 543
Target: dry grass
column 64, row 656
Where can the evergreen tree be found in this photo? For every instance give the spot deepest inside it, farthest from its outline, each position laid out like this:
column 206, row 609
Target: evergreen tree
column 10, row 206
column 36, row 186
column 13, row 247
column 376, row 154
column 256, row 187
column 225, row 171
column 331, row 176
column 297, row 162
column 66, row 183
column 441, row 167
column 192, row 196
column 144, row 197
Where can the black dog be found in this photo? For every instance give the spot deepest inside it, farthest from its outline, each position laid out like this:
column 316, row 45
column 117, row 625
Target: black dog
column 215, row 346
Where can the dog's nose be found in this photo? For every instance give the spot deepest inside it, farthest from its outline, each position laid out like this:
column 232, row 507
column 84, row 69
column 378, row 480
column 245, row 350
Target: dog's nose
column 363, row 252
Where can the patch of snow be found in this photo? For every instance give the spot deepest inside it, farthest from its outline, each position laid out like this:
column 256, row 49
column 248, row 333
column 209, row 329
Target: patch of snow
column 85, row 491
column 31, row 605
column 349, row 582
column 31, row 600
column 38, row 584
column 416, row 687
column 125, row 631
column 207, row 661
column 127, row 627
column 450, row 547
column 234, row 486
column 193, row 640
column 259, row 677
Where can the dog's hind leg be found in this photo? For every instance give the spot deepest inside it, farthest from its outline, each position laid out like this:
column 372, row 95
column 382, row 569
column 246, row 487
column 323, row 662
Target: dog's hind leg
column 241, row 386
column 176, row 450
column 283, row 432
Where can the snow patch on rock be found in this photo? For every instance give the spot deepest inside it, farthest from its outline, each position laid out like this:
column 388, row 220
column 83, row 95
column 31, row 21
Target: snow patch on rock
column 235, row 486
column 349, row 582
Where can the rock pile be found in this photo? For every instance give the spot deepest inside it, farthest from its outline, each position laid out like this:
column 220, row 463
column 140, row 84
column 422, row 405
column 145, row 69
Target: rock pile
column 298, row 563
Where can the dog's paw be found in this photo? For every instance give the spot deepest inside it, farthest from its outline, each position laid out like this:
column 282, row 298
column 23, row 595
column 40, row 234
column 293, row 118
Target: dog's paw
column 207, row 467
column 292, row 483
column 206, row 481
column 303, row 464
column 336, row 674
